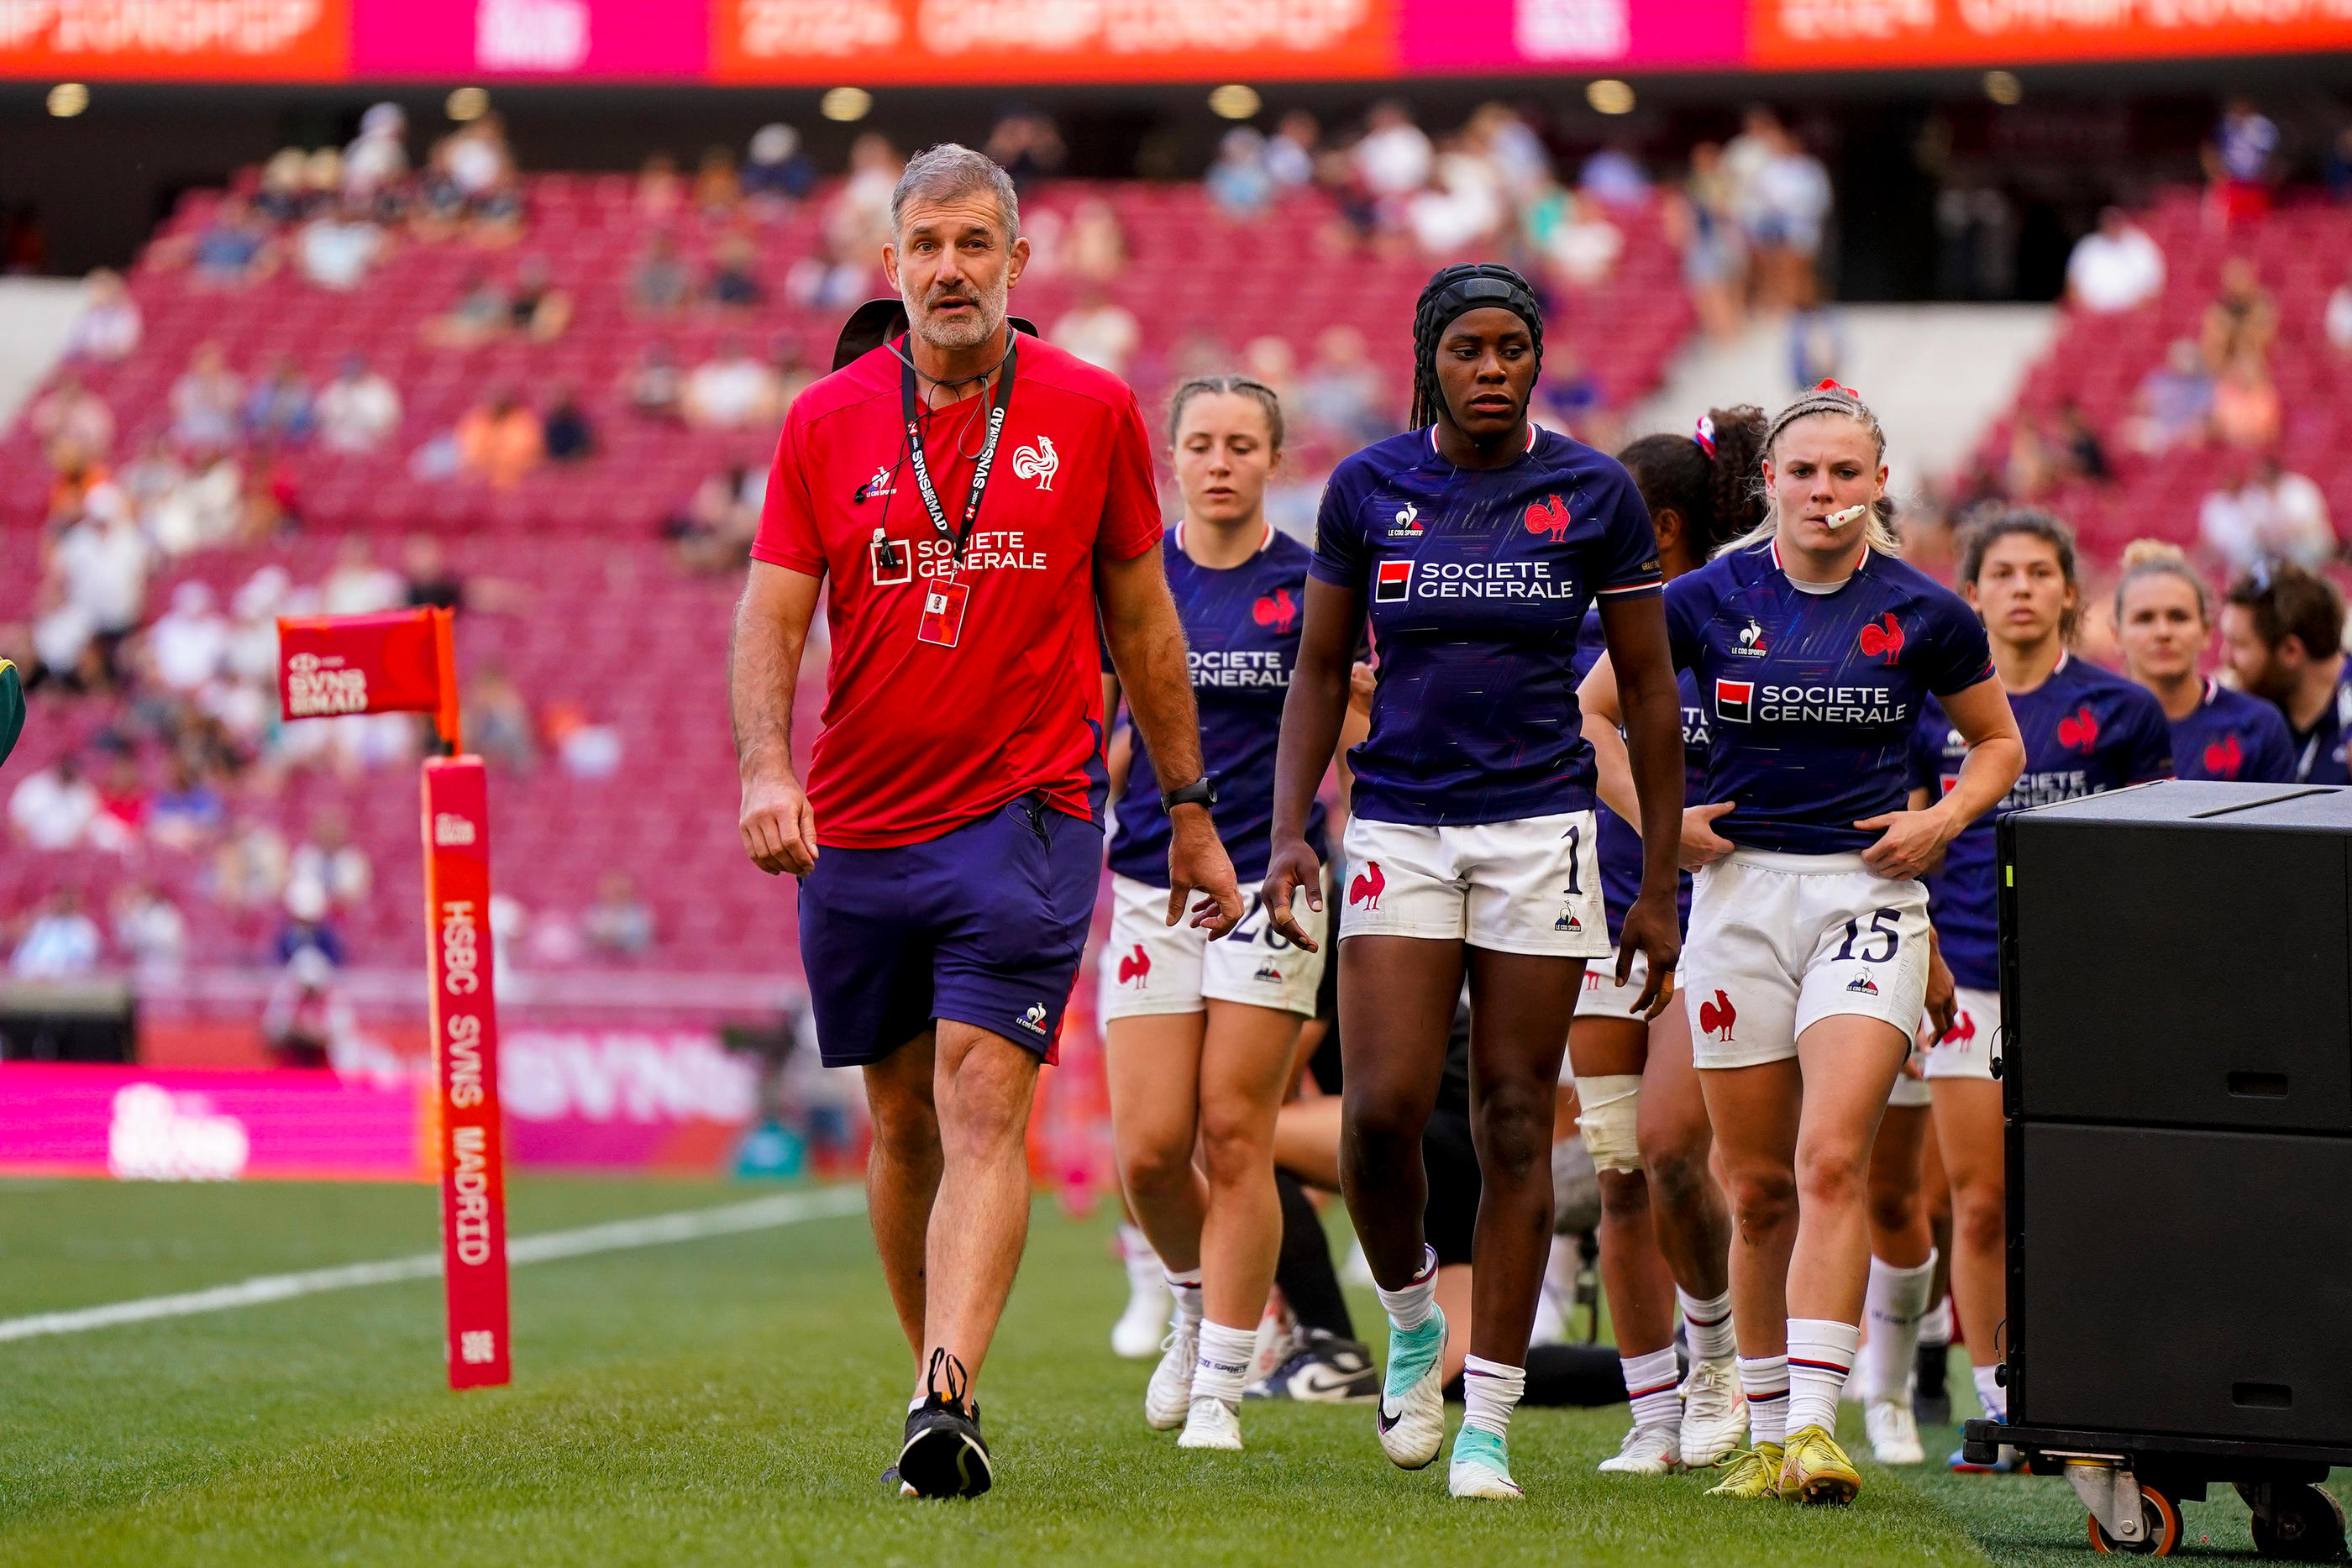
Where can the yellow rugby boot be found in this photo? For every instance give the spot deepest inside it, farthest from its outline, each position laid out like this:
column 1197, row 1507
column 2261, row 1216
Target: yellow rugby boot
column 1754, row 1474
column 1815, row 1469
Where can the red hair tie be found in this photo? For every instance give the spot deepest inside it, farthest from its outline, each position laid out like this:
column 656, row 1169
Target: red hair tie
column 1705, row 435
column 1831, row 383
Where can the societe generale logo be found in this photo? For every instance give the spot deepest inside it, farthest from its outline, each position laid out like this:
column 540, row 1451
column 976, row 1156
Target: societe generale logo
column 450, row 829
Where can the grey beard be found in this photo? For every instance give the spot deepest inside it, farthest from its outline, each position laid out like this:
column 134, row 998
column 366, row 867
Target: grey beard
column 974, row 330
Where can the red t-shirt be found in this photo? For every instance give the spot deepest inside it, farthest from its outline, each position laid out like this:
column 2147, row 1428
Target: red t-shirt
column 920, row 740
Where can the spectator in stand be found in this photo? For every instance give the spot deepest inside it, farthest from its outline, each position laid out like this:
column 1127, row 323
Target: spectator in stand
column 188, row 812
column 498, row 722
column 619, row 921
column 2174, row 403
column 655, row 389
column 788, row 365
column 1290, row 152
column 1787, row 204
column 734, row 282
column 149, row 929
column 1699, row 221
column 101, row 565
column 279, row 410
column 718, row 189
column 1578, row 245
column 427, row 577
column 500, row 440
column 72, row 422
column 1099, row 330
column 1272, row 360
column 1614, row 176
column 59, row 942
column 1394, row 158
column 712, row 534
column 660, row 284
column 53, row 808
column 2246, row 411
column 122, row 807
column 2238, row 163
column 1028, row 146
column 329, row 861
column 307, row 924
column 858, row 222
column 1096, row 247
column 731, row 389
column 377, row 162
column 1239, row 182
column 358, row 410
column 2115, row 268
column 188, row 643
column 204, row 510
column 2082, row 453
column 539, row 311
column 109, row 325
column 235, row 247
column 283, row 195
column 570, row 437
column 1463, row 207
column 2337, row 318
column 206, row 401
column 1339, row 399
column 587, row 749
column 480, row 165
column 2283, row 638
column 1570, row 399
column 777, row 175
column 2272, row 515
column 336, row 249
column 2032, row 467
column 661, row 190
column 357, row 585
column 2242, row 319
column 1496, row 133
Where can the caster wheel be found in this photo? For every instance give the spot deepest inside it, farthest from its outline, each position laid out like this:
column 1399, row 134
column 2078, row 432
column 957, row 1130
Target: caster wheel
column 2305, row 1524
column 2160, row 1517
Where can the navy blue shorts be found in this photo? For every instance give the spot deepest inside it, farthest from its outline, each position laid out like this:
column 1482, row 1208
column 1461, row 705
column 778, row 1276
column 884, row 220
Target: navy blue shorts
column 983, row 925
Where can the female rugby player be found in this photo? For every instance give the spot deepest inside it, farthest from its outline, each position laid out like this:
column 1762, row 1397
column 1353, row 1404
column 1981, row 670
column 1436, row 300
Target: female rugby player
column 2164, row 621
column 1199, row 1035
column 1475, row 542
column 1665, row 1232
column 1807, row 965
column 2085, row 730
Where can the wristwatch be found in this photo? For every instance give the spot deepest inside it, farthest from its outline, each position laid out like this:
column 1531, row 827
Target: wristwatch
column 1199, row 792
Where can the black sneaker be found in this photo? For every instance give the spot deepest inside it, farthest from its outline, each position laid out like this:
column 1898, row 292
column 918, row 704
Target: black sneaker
column 1323, row 1370
column 944, row 1454
column 1931, row 1396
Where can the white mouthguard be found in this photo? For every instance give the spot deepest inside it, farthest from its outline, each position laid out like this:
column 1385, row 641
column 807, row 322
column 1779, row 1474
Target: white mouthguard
column 1840, row 519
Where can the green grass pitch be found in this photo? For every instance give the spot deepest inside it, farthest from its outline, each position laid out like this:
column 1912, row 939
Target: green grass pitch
column 733, row 1400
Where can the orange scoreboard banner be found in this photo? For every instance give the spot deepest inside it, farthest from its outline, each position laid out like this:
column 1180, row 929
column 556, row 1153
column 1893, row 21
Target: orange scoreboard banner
column 155, row 40
column 1831, row 35
column 823, row 42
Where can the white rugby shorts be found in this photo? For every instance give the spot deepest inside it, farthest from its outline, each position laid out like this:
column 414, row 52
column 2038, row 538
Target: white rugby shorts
column 1527, row 886
column 1909, row 1093
column 1604, row 998
column 1150, row 966
column 1974, row 1043
column 1778, row 942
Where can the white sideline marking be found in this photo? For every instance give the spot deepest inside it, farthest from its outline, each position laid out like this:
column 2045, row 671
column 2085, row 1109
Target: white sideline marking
column 687, row 1225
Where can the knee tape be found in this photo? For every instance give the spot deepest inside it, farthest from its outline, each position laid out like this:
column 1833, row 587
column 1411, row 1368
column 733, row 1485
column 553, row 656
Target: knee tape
column 1607, row 1111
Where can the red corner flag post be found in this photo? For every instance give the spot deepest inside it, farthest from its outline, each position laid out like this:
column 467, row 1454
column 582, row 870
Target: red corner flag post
column 405, row 660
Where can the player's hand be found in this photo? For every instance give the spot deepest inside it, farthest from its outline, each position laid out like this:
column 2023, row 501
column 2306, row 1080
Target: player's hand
column 1943, row 1001
column 1652, row 928
column 1702, row 845
column 1197, row 861
column 777, row 827
column 1291, row 867
column 1363, row 682
column 1909, row 845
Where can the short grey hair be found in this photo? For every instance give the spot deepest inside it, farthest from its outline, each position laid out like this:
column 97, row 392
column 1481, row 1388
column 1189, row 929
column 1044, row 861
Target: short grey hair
column 950, row 170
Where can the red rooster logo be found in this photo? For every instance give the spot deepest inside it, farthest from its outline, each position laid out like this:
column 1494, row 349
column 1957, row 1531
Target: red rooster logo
column 1963, row 1029
column 2080, row 730
column 1134, row 966
column 1278, row 609
column 1715, row 1017
column 1367, row 886
column 2224, row 757
column 1883, row 635
column 1549, row 517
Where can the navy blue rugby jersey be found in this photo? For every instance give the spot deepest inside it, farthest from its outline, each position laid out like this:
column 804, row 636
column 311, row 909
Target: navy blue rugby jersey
column 1240, row 641
column 1475, row 580
column 2320, row 752
column 1621, row 844
column 1813, row 697
column 2087, row 730
column 2229, row 734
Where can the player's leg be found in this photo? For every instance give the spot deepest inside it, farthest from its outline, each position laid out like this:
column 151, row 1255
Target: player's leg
column 1245, row 1069
column 1153, row 1063
column 1609, row 1053
column 1149, row 1007
column 1755, row 1111
column 1693, row 1231
column 1969, row 1135
column 1326, row 1363
column 1931, row 1397
column 902, row 1175
column 1902, row 1267
column 1136, row 1335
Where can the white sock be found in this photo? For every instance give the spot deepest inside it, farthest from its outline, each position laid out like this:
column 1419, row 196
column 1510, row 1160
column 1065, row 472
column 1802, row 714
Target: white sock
column 1186, row 1288
column 1134, row 1247
column 1410, row 1308
column 1707, row 1325
column 1991, row 1394
column 1895, row 1308
column 1765, row 1380
column 1821, row 1354
column 1223, row 1362
column 1936, row 1328
column 1490, row 1392
column 1651, row 1388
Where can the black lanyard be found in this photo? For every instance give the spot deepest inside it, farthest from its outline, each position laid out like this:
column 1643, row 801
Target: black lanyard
column 910, row 406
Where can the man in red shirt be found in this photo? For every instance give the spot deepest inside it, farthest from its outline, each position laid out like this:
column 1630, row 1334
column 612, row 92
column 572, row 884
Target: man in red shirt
column 976, row 497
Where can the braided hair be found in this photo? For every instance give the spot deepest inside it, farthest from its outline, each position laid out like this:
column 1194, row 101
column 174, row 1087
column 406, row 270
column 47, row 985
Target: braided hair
column 1709, row 478
column 1452, row 292
column 1826, row 397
